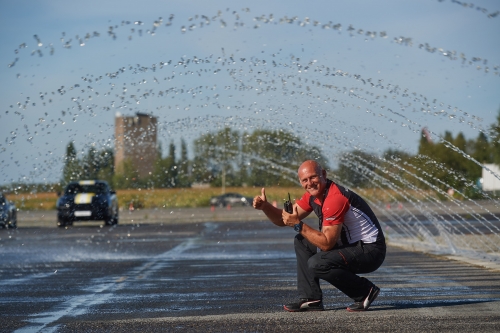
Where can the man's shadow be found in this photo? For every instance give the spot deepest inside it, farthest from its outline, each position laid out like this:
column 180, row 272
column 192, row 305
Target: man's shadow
column 418, row 304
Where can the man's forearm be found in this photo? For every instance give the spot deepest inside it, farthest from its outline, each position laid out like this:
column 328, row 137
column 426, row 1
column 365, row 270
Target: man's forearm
column 273, row 214
column 325, row 240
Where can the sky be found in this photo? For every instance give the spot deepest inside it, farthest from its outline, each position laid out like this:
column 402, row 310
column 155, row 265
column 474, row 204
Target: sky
column 341, row 75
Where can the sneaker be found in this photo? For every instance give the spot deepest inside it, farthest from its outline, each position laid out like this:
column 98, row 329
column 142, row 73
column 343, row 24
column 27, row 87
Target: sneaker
column 365, row 304
column 305, row 304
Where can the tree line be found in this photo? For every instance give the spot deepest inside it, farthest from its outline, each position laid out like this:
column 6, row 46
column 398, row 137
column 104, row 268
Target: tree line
column 223, row 158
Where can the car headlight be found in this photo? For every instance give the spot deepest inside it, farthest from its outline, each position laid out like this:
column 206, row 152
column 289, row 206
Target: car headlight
column 64, row 206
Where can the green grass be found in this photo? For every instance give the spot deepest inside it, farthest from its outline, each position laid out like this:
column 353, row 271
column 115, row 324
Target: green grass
column 186, row 197
column 156, row 198
column 34, row 201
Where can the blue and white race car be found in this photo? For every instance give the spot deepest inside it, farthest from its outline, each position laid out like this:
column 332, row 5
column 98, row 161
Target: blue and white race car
column 87, row 200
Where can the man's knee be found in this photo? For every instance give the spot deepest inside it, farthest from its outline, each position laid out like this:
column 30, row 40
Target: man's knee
column 324, row 262
column 316, row 264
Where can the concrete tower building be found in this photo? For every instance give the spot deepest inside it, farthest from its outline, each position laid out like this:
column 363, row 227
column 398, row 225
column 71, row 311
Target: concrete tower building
column 135, row 142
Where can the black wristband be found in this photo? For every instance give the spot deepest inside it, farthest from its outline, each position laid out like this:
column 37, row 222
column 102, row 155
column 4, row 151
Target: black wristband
column 298, row 226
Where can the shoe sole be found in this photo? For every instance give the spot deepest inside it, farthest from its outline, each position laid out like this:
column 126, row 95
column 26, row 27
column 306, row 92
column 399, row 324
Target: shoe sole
column 351, row 310
column 302, row 310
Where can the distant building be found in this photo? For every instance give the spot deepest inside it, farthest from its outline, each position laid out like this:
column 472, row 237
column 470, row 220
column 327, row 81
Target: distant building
column 490, row 181
column 135, row 141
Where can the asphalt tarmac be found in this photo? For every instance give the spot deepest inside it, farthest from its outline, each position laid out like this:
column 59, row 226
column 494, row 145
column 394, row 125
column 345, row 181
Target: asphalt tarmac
column 160, row 275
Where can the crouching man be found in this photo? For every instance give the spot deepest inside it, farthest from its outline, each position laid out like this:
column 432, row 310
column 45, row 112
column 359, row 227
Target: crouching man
column 350, row 240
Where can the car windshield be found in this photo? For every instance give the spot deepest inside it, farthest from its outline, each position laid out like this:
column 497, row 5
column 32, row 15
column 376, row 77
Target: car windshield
column 98, row 188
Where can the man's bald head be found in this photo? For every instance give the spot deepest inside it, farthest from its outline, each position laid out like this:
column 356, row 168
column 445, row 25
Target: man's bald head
column 311, row 165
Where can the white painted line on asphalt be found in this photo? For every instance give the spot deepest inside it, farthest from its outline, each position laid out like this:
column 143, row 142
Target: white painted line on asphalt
column 101, row 291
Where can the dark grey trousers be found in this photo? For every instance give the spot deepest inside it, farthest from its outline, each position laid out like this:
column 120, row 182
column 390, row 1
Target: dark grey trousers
column 338, row 266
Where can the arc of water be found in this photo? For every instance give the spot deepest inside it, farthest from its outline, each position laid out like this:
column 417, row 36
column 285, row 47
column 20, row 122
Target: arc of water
column 494, row 229
column 463, row 222
column 459, row 218
column 432, row 218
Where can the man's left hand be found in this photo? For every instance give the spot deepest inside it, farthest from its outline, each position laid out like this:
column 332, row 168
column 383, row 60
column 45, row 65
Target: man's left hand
column 290, row 219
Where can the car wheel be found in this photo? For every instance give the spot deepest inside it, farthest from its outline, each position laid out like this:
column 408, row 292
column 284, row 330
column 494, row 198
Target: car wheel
column 112, row 220
column 108, row 220
column 13, row 224
column 61, row 224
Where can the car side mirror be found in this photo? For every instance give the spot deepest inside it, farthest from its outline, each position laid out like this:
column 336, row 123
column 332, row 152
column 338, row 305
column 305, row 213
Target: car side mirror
column 112, row 192
column 58, row 193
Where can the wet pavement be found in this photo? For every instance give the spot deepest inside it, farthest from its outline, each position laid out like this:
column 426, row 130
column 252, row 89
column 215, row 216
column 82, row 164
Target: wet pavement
column 217, row 277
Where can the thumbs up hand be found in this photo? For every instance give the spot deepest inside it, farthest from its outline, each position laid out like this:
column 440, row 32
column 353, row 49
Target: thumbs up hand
column 260, row 200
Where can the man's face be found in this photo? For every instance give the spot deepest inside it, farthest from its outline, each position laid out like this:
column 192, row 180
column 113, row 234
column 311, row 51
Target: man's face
column 312, row 180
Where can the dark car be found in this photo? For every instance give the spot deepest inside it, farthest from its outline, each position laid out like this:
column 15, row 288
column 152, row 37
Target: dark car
column 87, row 200
column 8, row 213
column 232, row 199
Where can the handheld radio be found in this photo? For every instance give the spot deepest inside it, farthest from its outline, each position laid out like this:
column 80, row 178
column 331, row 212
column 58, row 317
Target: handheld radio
column 288, row 205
